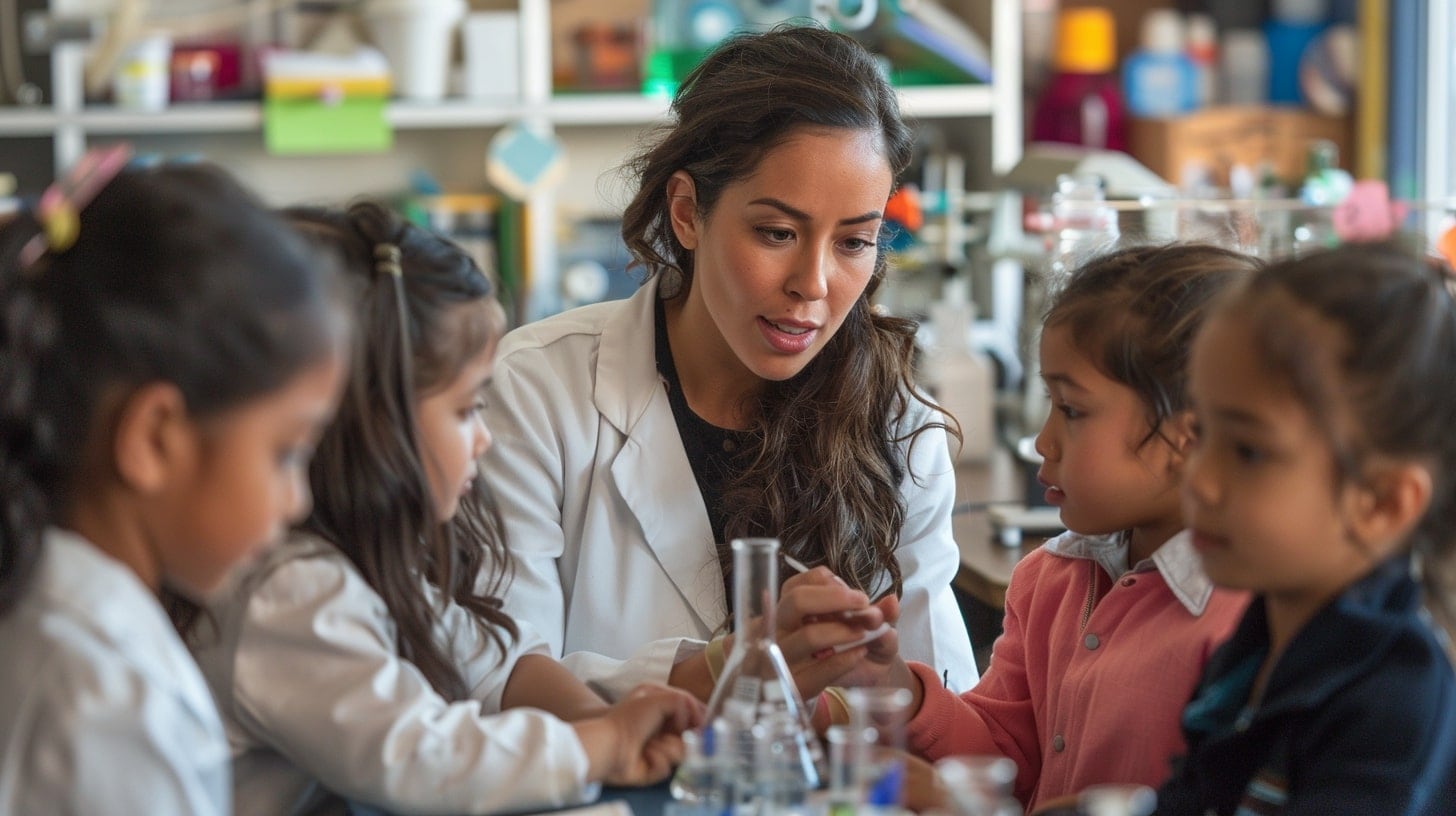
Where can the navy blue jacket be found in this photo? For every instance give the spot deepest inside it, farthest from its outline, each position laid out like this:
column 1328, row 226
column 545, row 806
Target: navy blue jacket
column 1358, row 716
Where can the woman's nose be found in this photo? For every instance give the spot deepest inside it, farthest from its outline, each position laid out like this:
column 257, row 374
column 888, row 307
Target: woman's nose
column 810, row 280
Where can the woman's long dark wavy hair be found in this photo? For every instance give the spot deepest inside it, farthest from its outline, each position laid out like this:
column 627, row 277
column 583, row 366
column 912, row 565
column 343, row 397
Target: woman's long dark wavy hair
column 1386, row 387
column 177, row 275
column 825, row 473
column 371, row 491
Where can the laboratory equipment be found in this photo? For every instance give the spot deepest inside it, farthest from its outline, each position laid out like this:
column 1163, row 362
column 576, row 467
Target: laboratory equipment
column 771, row 749
column 876, row 747
column 1117, row 800
column 978, row 785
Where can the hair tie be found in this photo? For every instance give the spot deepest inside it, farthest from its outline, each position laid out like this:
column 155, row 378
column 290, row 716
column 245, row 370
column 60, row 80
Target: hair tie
column 387, row 259
column 60, row 206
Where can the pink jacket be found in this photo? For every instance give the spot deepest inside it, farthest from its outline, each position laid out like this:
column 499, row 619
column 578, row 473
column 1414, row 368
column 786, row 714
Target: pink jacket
column 1088, row 681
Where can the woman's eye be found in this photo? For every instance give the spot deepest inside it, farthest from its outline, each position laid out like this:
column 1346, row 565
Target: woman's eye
column 777, row 236
column 858, row 245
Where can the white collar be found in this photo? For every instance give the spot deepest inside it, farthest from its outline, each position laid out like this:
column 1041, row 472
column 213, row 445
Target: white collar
column 1176, row 559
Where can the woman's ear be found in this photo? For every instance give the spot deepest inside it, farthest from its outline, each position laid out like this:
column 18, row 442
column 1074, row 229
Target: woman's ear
column 154, row 438
column 1386, row 505
column 682, row 208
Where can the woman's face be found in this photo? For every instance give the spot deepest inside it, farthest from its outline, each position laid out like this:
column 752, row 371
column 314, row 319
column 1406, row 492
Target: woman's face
column 784, row 254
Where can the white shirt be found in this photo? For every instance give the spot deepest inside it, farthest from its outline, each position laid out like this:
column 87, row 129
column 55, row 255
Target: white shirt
column 616, row 565
column 101, row 708
column 319, row 706
column 1175, row 559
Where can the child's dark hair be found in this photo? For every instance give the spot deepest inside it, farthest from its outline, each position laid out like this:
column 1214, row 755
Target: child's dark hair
column 1135, row 311
column 1366, row 337
column 825, row 472
column 424, row 309
column 176, row 275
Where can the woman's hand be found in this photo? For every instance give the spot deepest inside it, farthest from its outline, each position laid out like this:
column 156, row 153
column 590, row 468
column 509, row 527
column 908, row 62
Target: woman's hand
column 638, row 740
column 820, row 620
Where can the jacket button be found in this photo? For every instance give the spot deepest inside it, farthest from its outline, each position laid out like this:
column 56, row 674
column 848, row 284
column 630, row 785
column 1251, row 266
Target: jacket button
column 1059, row 744
column 1129, row 581
column 1091, row 641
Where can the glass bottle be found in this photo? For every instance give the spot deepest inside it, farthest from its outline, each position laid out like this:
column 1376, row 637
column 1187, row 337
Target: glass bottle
column 1083, row 227
column 1082, row 103
column 770, row 739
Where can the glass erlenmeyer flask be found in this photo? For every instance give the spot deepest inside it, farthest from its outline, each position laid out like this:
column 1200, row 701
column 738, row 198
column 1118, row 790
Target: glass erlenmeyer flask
column 772, row 743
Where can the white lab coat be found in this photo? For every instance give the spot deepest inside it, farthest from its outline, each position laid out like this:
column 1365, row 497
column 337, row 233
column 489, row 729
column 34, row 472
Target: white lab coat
column 101, row 708
column 616, row 565
column 319, row 707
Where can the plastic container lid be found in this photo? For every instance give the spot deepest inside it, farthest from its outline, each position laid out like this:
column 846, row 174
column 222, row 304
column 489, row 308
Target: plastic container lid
column 1086, row 41
column 1202, row 35
column 1163, row 31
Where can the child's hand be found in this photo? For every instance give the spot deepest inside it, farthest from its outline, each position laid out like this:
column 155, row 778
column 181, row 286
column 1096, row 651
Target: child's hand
column 638, row 740
column 923, row 788
column 881, row 655
column 823, row 625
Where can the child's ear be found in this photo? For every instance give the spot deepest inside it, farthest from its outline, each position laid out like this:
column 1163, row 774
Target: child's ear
column 154, row 437
column 682, row 208
column 1387, row 505
column 1178, row 431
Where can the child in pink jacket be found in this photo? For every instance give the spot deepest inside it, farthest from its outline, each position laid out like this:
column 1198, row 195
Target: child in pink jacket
column 1107, row 627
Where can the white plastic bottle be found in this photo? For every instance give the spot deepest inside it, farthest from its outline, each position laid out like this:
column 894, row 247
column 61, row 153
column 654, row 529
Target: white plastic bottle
column 1160, row 79
column 1244, row 67
column 961, row 376
column 1203, row 53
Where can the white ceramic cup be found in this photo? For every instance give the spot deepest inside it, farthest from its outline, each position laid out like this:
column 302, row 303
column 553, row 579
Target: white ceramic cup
column 416, row 38
column 143, row 74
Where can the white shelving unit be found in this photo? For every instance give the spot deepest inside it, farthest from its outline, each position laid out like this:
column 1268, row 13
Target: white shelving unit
column 594, row 123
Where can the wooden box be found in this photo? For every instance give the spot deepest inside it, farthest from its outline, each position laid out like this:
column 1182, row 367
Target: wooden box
column 1218, row 138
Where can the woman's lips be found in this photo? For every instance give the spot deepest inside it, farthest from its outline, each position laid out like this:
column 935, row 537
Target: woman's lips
column 787, row 336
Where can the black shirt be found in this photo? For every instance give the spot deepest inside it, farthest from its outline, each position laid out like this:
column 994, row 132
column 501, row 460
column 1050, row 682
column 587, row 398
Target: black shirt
column 713, row 452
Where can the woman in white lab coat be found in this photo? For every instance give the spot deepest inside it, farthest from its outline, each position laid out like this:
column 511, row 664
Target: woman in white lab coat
column 748, row 388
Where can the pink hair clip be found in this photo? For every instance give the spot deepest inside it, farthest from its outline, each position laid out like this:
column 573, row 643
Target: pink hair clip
column 60, row 206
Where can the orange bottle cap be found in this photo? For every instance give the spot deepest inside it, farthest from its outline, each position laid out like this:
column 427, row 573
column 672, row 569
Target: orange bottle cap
column 1086, row 41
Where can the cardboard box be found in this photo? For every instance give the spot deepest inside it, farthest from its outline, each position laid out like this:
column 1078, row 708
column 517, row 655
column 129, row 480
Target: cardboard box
column 1218, row 138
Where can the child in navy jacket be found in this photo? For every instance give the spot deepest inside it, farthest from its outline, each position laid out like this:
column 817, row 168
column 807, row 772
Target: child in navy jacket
column 1324, row 480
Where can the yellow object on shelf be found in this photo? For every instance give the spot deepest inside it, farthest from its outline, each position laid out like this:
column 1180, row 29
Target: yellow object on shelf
column 1086, row 41
column 322, row 103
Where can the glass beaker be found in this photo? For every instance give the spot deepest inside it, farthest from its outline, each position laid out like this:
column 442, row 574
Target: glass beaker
column 878, row 715
column 1117, row 800
column 769, row 738
column 978, row 785
column 703, row 777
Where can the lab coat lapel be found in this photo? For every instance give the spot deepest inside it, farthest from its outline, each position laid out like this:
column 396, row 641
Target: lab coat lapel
column 655, row 480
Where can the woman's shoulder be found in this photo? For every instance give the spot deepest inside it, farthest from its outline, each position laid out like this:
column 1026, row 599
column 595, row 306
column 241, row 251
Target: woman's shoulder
column 582, row 325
